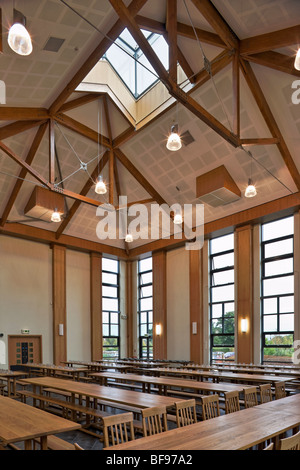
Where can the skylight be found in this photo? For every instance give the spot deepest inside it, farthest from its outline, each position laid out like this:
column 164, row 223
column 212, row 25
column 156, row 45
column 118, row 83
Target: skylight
column 130, row 63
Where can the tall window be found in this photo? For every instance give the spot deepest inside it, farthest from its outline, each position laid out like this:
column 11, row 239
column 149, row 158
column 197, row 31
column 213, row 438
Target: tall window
column 145, row 302
column 221, row 261
column 110, row 309
column 277, row 290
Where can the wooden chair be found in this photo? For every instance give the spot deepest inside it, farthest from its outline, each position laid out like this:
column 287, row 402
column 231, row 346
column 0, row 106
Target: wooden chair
column 185, row 412
column 77, row 446
column 210, row 406
column 280, row 390
column 269, row 447
column 265, row 393
column 118, row 429
column 154, row 420
column 290, row 443
column 232, row 402
column 250, row 397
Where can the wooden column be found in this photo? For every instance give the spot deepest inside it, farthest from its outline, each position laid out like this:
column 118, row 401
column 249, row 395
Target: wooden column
column 96, row 306
column 59, row 304
column 196, row 302
column 244, row 292
column 159, row 267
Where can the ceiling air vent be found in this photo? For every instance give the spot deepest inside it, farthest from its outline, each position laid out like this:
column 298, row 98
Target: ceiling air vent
column 53, row 44
column 217, row 188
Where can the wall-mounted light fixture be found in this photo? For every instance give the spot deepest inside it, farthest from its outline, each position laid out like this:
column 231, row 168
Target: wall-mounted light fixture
column 61, row 329
column 158, row 329
column 244, row 325
column 194, row 327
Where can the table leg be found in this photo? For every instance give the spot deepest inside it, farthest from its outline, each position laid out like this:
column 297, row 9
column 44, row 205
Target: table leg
column 28, row 444
column 44, row 443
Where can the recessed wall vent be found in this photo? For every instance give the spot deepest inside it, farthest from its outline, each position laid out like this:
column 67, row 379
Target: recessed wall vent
column 53, row 44
column 217, row 188
column 187, row 138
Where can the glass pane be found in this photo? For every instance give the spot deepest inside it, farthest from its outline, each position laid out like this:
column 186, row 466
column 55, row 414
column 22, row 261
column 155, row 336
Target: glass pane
column 145, row 265
column 105, row 317
column 224, row 277
column 146, row 291
column 286, row 322
column 110, row 341
column 226, row 243
column 277, row 286
column 144, row 330
column 223, row 341
column 277, row 229
column 222, row 293
column 229, row 325
column 275, row 268
column 216, row 326
column 105, row 330
column 110, row 265
column 150, row 317
column 114, row 318
column 229, row 308
column 223, row 261
column 108, row 278
column 286, row 304
column 143, row 317
column 279, row 340
column 279, row 248
column 270, row 305
column 114, row 330
column 110, row 304
column 216, row 310
column 270, row 323
column 146, row 278
column 109, row 291
column 146, row 304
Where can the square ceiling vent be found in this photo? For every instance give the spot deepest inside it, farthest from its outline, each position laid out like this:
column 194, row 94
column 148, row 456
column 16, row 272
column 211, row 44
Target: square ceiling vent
column 217, row 188
column 53, row 44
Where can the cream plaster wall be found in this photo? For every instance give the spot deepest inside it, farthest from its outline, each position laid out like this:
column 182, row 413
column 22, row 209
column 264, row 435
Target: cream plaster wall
column 178, row 304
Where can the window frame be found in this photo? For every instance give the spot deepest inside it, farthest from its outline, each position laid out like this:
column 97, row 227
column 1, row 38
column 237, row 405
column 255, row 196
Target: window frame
column 148, row 340
column 110, row 312
column 223, row 318
column 278, row 313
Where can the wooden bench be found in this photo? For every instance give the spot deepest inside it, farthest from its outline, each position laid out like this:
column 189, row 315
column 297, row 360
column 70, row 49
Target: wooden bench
column 56, row 443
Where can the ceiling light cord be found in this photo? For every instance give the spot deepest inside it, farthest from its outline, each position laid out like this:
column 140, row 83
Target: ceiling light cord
column 207, row 66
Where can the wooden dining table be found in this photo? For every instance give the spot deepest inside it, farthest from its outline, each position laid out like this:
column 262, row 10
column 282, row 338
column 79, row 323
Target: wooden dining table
column 24, row 423
column 222, row 376
column 113, row 395
column 240, row 430
column 53, row 370
column 166, row 384
column 11, row 376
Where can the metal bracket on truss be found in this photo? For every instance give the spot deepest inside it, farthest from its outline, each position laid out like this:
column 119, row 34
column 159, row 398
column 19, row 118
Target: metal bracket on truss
column 83, row 166
column 58, row 189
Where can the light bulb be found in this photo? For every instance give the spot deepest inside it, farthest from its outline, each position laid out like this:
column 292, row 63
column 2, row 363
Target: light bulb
column 129, row 238
column 250, row 190
column 174, row 141
column 55, row 217
column 19, row 39
column 100, row 187
column 178, row 219
column 297, row 60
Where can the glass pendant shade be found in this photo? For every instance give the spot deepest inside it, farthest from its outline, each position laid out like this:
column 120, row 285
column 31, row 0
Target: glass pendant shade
column 100, row 187
column 178, row 219
column 174, row 141
column 55, row 217
column 250, row 190
column 129, row 238
column 19, row 39
column 297, row 60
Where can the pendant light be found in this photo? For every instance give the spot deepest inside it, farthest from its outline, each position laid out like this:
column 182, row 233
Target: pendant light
column 19, row 39
column 55, row 217
column 100, row 187
column 174, row 141
column 129, row 238
column 178, row 219
column 297, row 60
column 250, row 190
